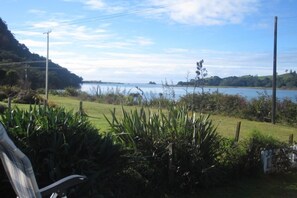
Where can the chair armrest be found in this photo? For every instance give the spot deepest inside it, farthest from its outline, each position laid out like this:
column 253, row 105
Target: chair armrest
column 61, row 185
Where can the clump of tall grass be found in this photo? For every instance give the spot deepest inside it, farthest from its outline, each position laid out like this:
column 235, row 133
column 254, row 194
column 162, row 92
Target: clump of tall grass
column 60, row 143
column 172, row 149
column 181, row 149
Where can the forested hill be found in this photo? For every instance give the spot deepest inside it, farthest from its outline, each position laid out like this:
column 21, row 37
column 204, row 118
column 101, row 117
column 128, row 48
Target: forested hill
column 288, row 80
column 18, row 66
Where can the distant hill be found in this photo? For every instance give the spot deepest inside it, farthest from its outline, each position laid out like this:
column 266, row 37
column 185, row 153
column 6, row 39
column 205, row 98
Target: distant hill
column 288, row 80
column 31, row 71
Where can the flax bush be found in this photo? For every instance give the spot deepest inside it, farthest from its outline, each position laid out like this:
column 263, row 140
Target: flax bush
column 60, row 143
column 177, row 150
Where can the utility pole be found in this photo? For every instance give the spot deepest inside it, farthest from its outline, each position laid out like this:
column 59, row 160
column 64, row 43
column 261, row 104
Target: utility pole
column 26, row 77
column 46, row 66
column 274, row 72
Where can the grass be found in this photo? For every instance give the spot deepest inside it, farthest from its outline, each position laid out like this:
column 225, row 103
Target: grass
column 94, row 110
column 226, row 125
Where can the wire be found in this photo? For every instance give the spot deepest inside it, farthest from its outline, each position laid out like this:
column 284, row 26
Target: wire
column 104, row 17
column 22, row 62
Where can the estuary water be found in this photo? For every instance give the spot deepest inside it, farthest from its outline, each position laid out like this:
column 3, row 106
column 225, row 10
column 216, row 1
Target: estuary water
column 175, row 92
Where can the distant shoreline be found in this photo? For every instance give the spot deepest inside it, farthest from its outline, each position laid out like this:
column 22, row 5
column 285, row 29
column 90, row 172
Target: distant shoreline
column 170, row 85
column 100, row 82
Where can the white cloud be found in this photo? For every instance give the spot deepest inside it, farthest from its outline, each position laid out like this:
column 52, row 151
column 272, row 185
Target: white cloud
column 176, row 50
column 28, row 33
column 99, row 5
column 37, row 12
column 94, row 4
column 144, row 41
column 205, row 12
column 33, row 43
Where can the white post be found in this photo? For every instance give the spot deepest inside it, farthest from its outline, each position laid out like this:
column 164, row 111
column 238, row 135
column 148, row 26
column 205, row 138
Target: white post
column 46, row 67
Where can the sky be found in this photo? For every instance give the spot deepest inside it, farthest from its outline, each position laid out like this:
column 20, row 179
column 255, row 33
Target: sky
column 137, row 41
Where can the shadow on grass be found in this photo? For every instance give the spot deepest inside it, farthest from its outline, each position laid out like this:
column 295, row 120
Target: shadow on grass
column 274, row 185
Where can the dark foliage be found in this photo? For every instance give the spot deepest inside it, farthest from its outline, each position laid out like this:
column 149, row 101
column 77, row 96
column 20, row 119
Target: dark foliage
column 60, row 143
column 2, row 108
column 2, row 95
column 28, row 97
column 258, row 109
column 244, row 158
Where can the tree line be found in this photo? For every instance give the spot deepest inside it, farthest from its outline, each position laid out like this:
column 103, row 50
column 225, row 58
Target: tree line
column 287, row 80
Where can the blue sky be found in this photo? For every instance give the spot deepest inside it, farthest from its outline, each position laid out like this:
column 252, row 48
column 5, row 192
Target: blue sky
column 157, row 40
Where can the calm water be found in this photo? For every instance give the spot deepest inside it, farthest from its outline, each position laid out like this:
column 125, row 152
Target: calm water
column 151, row 90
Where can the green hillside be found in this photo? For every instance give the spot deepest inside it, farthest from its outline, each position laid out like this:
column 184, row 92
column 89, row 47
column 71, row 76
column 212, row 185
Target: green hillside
column 18, row 66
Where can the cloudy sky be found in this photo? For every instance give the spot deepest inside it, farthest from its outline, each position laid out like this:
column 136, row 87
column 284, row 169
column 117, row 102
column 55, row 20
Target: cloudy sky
column 157, row 40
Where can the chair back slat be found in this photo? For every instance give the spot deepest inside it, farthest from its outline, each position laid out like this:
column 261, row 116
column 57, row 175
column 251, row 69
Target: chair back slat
column 18, row 167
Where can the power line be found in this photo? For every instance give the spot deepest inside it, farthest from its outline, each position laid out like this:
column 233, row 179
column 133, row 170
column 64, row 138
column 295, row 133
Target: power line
column 21, row 62
column 104, row 17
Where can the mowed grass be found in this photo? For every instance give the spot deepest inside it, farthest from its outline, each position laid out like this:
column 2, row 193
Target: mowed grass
column 94, row 110
column 226, row 126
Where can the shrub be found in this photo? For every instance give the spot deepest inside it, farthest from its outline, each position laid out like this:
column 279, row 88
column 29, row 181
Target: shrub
column 2, row 95
column 10, row 91
column 42, row 91
column 259, row 108
column 61, row 143
column 160, row 102
column 28, row 97
column 181, row 150
column 259, row 142
column 112, row 98
column 215, row 103
column 287, row 111
column 2, row 108
column 231, row 105
column 232, row 159
column 70, row 91
column 244, row 158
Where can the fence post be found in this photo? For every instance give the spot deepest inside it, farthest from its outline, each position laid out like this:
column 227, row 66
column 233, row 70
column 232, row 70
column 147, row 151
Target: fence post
column 291, row 139
column 80, row 111
column 171, row 167
column 9, row 104
column 237, row 132
column 9, row 110
column 45, row 104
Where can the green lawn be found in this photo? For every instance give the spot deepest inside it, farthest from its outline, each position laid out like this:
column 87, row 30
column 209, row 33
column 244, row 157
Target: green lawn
column 226, row 125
